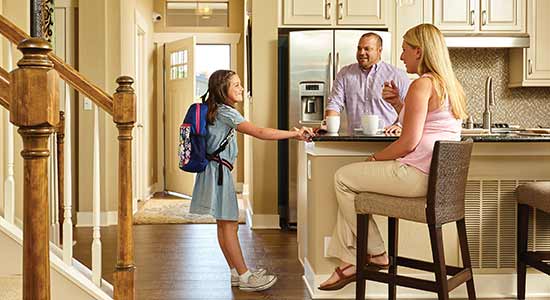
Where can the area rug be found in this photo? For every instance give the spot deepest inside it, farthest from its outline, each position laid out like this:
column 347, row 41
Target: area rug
column 11, row 287
column 173, row 211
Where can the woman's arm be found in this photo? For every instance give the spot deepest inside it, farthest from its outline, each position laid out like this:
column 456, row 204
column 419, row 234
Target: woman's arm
column 269, row 133
column 417, row 101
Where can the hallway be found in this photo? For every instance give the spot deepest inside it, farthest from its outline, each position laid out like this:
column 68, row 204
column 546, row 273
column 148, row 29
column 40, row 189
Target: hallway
column 177, row 262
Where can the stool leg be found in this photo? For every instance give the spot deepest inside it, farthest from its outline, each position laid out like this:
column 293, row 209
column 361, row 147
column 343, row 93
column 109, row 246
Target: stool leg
column 522, row 233
column 436, row 238
column 362, row 243
column 393, row 233
column 465, row 252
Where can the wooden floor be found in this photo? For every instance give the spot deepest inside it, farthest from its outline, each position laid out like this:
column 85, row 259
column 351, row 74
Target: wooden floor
column 185, row 262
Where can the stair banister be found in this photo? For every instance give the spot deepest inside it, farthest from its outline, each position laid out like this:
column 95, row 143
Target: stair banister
column 34, row 108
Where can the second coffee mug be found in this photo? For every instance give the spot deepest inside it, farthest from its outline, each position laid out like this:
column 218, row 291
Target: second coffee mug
column 333, row 124
column 371, row 124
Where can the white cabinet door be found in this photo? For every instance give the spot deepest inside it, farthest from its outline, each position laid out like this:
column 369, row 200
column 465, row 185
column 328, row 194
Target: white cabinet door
column 503, row 15
column 456, row 15
column 538, row 56
column 362, row 12
column 308, row 12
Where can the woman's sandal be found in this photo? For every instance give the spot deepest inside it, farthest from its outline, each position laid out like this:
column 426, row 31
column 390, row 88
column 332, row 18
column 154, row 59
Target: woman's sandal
column 342, row 281
column 371, row 266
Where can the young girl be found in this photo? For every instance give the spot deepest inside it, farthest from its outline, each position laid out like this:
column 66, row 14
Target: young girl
column 214, row 192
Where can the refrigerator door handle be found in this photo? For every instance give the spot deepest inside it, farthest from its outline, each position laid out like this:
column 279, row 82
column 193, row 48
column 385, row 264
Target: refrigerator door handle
column 330, row 71
column 337, row 63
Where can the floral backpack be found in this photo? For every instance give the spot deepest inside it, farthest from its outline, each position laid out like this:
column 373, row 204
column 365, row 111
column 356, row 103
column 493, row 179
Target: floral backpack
column 192, row 148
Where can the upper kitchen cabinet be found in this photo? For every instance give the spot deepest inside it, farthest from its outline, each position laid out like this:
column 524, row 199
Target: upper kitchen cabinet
column 480, row 16
column 372, row 13
column 531, row 66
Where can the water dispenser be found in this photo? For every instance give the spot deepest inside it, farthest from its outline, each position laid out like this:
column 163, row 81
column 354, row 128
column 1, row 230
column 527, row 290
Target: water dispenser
column 312, row 97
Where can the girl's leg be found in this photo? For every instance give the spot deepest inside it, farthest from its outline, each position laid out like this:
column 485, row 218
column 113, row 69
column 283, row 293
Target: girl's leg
column 221, row 242
column 231, row 246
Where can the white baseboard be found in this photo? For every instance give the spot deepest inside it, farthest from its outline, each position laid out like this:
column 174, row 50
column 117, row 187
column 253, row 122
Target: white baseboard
column 152, row 189
column 257, row 221
column 107, row 218
column 496, row 286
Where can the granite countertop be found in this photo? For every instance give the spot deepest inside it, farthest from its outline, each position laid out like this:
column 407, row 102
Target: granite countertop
column 484, row 138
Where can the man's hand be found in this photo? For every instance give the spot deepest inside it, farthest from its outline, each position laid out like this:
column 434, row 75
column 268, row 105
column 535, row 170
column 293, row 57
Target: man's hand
column 394, row 129
column 390, row 94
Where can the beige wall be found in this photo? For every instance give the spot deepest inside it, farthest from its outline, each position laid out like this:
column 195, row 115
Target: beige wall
column 263, row 184
column 106, row 51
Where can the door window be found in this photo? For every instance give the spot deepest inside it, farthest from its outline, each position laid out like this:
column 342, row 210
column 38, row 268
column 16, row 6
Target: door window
column 209, row 58
column 178, row 65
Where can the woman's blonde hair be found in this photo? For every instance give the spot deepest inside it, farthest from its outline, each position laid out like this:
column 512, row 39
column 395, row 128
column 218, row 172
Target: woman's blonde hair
column 435, row 60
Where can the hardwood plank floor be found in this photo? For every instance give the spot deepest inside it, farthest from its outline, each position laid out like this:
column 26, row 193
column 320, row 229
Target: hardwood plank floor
column 184, row 261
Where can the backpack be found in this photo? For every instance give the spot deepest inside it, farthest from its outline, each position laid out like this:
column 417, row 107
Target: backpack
column 192, row 148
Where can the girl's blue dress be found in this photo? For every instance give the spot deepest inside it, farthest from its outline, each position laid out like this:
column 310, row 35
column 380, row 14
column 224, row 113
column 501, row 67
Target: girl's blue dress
column 220, row 201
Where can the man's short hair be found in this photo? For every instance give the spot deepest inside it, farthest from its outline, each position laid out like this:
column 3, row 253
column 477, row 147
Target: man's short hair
column 373, row 35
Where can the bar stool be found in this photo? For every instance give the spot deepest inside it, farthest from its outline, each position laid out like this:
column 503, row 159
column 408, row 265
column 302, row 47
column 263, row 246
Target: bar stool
column 443, row 203
column 536, row 195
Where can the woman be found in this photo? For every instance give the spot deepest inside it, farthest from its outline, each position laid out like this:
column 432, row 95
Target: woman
column 433, row 110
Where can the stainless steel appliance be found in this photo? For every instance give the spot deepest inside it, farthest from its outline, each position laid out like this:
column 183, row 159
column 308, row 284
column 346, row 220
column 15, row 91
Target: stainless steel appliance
column 315, row 57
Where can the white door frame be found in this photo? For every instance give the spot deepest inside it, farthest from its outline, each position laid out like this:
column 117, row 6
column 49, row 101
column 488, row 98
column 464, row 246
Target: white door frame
column 140, row 156
column 161, row 38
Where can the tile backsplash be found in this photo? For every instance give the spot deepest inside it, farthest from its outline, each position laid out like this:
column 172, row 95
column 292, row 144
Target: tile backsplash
column 527, row 107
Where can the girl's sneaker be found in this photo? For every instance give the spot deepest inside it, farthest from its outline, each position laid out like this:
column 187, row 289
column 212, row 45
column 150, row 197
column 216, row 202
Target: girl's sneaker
column 235, row 276
column 257, row 282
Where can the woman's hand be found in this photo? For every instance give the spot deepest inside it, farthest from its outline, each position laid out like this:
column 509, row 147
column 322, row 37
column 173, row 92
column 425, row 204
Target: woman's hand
column 393, row 130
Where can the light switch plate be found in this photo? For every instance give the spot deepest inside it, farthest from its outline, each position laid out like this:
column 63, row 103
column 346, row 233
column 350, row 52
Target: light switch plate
column 88, row 104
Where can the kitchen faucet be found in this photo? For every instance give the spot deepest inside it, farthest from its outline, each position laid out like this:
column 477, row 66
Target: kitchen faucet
column 489, row 101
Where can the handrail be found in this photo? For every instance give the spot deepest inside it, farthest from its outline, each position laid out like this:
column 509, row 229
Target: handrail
column 67, row 73
column 4, row 88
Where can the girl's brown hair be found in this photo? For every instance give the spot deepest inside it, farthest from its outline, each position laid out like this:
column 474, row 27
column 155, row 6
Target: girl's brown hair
column 218, row 85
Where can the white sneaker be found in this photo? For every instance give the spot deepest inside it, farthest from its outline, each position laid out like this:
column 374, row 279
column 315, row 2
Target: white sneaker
column 235, row 276
column 257, row 282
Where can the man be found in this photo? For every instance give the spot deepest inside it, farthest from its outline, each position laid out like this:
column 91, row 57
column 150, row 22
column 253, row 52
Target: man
column 358, row 87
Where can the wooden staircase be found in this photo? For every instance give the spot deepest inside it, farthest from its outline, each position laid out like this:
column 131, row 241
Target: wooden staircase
column 30, row 94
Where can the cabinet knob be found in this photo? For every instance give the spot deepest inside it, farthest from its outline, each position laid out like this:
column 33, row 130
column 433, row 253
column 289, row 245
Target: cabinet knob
column 529, row 67
column 472, row 17
column 484, row 17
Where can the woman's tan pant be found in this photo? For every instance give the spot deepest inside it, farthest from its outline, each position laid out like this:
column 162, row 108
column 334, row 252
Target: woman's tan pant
column 384, row 177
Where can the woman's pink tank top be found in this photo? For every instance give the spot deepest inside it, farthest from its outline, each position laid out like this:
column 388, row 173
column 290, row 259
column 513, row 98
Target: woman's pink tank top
column 440, row 125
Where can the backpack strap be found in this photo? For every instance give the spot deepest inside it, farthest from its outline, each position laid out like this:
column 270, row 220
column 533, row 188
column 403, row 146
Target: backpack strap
column 215, row 156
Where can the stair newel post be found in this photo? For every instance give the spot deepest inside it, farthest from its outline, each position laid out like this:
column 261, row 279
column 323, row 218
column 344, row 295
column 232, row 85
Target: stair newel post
column 35, row 110
column 124, row 115
column 60, row 134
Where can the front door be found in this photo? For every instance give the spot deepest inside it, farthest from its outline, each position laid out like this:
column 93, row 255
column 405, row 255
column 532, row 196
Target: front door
column 180, row 94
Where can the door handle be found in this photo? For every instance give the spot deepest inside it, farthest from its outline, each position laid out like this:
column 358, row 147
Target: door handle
column 529, row 67
column 484, row 17
column 472, row 17
column 330, row 72
column 340, row 10
column 337, row 62
column 327, row 10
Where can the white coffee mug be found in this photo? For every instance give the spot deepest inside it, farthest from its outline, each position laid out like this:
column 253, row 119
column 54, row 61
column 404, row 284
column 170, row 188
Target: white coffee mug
column 371, row 124
column 333, row 124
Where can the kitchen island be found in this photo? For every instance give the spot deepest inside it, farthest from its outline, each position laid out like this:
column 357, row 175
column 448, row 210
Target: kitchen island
column 499, row 163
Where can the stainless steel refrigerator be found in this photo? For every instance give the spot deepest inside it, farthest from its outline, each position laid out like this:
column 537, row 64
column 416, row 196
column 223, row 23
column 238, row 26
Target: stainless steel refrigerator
column 315, row 57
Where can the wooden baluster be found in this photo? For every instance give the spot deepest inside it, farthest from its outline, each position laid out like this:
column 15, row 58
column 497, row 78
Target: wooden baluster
column 60, row 134
column 124, row 115
column 35, row 109
column 96, row 206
